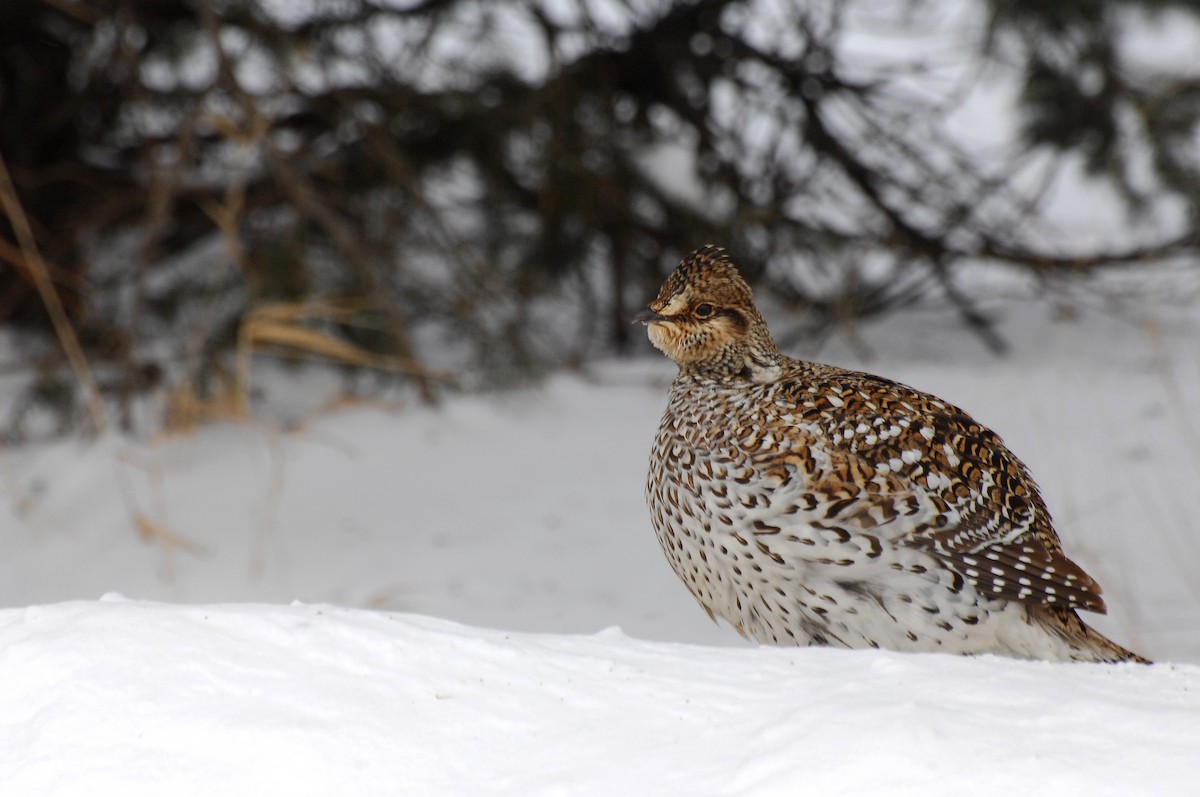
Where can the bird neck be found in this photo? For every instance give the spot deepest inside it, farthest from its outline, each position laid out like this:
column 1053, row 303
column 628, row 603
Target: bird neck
column 754, row 359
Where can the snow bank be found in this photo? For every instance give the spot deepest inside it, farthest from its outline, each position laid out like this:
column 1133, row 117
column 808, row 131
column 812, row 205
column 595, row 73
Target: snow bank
column 130, row 698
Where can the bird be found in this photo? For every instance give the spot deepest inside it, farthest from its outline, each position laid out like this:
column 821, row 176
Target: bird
column 807, row 504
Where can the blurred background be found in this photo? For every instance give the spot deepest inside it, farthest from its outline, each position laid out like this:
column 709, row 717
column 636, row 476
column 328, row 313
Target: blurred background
column 217, row 211
column 452, row 194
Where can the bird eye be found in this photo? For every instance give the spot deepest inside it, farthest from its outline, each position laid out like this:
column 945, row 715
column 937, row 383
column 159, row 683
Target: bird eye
column 704, row 310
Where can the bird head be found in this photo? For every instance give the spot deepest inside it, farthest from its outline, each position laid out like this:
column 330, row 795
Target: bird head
column 705, row 320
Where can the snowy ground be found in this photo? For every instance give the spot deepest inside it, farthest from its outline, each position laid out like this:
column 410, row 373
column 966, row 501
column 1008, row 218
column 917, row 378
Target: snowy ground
column 523, row 512
column 137, row 698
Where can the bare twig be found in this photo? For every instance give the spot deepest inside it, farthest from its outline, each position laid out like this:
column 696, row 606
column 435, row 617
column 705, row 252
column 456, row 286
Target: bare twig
column 301, row 193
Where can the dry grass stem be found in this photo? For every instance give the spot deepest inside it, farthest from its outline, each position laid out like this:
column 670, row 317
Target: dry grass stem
column 283, row 329
column 40, row 272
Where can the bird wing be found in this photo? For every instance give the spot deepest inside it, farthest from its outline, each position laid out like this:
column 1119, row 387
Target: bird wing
column 929, row 476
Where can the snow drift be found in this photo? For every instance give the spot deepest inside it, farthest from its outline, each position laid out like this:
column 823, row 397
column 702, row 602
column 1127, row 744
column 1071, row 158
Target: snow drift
column 126, row 697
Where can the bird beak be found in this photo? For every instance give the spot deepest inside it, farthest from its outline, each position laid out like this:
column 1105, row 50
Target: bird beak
column 648, row 316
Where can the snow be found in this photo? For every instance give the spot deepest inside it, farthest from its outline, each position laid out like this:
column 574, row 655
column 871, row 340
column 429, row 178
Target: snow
column 129, row 697
column 523, row 511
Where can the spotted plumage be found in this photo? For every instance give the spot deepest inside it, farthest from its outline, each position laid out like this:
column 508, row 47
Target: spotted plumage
column 811, row 505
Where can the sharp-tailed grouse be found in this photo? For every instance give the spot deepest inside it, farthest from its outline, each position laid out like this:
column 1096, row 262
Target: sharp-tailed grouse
column 812, row 505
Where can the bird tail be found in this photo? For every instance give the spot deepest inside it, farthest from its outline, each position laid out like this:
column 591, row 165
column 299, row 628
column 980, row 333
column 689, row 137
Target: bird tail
column 1084, row 642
